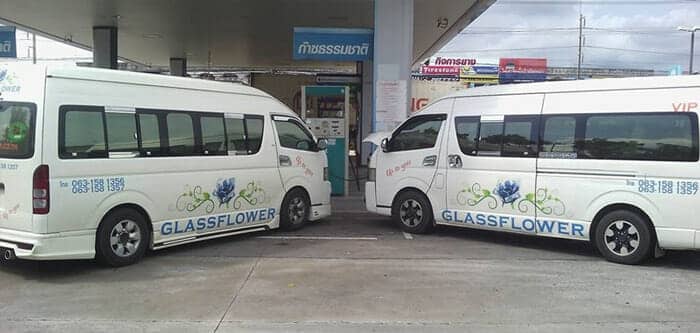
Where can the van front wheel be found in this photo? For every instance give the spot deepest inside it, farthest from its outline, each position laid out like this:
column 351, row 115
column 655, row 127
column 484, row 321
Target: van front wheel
column 122, row 238
column 413, row 213
column 624, row 237
column 295, row 210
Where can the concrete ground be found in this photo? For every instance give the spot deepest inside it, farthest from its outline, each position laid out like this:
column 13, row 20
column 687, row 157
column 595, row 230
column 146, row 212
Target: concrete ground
column 357, row 272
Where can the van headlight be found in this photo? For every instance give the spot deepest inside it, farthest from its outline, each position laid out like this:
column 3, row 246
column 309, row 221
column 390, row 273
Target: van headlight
column 372, row 174
column 325, row 173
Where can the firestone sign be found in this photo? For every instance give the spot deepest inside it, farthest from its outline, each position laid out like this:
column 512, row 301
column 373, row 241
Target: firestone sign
column 333, row 44
column 8, row 43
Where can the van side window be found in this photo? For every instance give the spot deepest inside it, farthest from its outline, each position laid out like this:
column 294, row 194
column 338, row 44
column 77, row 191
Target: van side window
column 490, row 139
column 558, row 137
column 121, row 132
column 419, row 132
column 467, row 129
column 82, row 132
column 213, row 135
column 657, row 137
column 180, row 134
column 149, row 134
column 254, row 128
column 294, row 135
column 235, row 131
column 244, row 134
column 520, row 136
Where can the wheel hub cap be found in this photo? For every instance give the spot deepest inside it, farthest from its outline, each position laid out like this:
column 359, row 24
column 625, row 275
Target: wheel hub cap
column 411, row 213
column 622, row 238
column 297, row 210
column 125, row 238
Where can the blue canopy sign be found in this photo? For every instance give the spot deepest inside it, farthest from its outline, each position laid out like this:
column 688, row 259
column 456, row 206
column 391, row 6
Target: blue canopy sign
column 8, row 42
column 333, row 44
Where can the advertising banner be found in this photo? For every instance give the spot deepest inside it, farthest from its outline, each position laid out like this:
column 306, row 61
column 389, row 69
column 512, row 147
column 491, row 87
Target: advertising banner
column 8, row 42
column 479, row 74
column 514, row 70
column 333, row 44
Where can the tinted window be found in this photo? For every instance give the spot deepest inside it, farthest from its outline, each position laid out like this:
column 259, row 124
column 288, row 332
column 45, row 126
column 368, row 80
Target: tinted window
column 83, row 134
column 150, row 134
column 419, row 132
column 661, row 137
column 254, row 126
column 490, row 139
column 213, row 136
column 559, row 137
column 467, row 129
column 293, row 135
column 519, row 137
column 180, row 134
column 121, row 132
column 235, row 130
column 16, row 130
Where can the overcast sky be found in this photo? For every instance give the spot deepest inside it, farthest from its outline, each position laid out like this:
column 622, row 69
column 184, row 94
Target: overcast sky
column 645, row 30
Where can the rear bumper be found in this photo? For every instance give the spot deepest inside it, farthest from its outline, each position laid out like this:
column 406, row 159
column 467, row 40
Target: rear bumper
column 55, row 246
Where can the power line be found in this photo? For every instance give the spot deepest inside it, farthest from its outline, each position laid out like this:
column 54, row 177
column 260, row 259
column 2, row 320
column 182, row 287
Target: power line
column 593, row 2
column 635, row 50
column 478, row 31
column 514, row 49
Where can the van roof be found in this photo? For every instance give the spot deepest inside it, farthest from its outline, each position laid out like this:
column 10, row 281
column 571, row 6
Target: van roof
column 652, row 82
column 147, row 79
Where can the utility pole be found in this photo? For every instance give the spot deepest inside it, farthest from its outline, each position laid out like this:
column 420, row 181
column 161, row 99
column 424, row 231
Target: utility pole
column 692, row 31
column 34, row 48
column 581, row 23
column 692, row 52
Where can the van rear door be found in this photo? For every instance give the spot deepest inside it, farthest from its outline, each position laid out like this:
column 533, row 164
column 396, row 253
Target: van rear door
column 19, row 158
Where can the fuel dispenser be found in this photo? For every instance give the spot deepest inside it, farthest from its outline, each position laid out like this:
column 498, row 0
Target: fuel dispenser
column 325, row 109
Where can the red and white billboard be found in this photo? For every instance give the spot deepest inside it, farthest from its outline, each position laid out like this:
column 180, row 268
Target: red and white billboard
column 512, row 70
column 522, row 65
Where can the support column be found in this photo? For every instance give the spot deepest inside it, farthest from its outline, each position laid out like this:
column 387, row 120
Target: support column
column 178, row 66
column 367, row 109
column 104, row 47
column 393, row 58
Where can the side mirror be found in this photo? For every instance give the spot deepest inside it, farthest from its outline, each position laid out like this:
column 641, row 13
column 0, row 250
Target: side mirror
column 385, row 145
column 322, row 144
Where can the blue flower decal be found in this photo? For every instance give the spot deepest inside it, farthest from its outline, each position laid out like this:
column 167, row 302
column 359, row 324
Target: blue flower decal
column 225, row 190
column 3, row 74
column 508, row 191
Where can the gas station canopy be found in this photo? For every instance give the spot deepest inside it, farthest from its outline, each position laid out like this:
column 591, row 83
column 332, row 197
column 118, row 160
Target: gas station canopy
column 226, row 33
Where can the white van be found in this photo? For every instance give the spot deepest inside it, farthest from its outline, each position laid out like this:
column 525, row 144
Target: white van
column 107, row 164
column 613, row 161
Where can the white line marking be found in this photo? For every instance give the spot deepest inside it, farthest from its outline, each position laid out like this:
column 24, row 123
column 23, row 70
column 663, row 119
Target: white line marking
column 319, row 238
column 407, row 236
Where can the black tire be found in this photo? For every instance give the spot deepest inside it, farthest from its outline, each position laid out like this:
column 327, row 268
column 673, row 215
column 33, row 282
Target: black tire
column 127, row 250
column 413, row 213
column 295, row 210
column 624, row 237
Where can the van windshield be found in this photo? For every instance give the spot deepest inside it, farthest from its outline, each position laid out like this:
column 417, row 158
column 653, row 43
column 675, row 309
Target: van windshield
column 16, row 130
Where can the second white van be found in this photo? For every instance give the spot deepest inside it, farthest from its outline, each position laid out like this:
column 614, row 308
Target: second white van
column 613, row 162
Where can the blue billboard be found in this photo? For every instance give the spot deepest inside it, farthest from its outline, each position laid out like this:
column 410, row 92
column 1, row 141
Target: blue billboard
column 8, row 42
column 333, row 44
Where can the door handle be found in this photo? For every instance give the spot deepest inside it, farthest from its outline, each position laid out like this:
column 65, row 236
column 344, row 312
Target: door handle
column 285, row 160
column 455, row 161
column 430, row 160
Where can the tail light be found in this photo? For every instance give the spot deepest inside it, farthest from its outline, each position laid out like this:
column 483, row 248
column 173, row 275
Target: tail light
column 40, row 190
column 372, row 174
column 325, row 173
